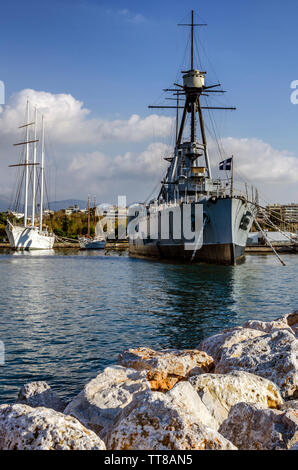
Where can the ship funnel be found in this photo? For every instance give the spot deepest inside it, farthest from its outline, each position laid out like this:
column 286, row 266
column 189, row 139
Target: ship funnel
column 194, row 79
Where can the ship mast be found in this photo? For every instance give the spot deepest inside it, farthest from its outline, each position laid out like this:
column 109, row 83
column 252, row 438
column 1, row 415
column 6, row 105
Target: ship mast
column 184, row 164
column 192, row 102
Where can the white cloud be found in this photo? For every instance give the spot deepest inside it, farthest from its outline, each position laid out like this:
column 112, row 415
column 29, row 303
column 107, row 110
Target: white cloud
column 68, row 121
column 127, row 166
column 273, row 172
column 106, row 172
column 135, row 18
column 70, row 128
column 259, row 161
column 131, row 173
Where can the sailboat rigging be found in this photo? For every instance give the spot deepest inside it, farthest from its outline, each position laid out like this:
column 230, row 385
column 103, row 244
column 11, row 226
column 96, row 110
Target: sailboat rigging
column 31, row 236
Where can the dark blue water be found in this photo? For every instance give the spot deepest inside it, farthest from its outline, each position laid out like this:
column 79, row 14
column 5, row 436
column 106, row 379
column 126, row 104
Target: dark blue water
column 64, row 317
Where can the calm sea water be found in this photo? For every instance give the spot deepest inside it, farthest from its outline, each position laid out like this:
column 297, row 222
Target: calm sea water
column 67, row 315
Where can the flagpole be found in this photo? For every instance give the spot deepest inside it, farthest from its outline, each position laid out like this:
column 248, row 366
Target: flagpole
column 232, row 175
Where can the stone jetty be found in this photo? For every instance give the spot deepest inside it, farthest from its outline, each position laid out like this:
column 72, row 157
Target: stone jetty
column 238, row 390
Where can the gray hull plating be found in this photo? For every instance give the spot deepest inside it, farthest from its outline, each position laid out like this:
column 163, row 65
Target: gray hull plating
column 228, row 222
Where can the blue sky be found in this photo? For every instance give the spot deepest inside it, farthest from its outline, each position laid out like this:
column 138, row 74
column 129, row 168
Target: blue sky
column 117, row 56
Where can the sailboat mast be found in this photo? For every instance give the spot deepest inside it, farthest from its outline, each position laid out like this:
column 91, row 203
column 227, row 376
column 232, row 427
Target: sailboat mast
column 94, row 211
column 88, row 233
column 34, row 168
column 26, row 168
column 42, row 174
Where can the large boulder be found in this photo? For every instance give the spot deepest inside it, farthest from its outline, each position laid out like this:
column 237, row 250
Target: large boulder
column 165, row 421
column 289, row 405
column 36, row 394
column 288, row 322
column 26, row 428
column 216, row 344
column 273, row 356
column 220, row 392
column 251, row 427
column 166, row 368
column 186, row 398
column 102, row 399
column 292, row 320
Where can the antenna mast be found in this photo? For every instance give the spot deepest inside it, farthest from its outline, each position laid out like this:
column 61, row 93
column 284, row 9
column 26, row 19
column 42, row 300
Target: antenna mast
column 192, row 33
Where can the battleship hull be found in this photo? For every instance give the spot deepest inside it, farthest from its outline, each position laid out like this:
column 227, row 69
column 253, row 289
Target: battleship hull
column 228, row 222
column 28, row 238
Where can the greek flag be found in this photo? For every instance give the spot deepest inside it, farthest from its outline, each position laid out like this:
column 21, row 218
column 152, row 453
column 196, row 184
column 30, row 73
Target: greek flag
column 226, row 164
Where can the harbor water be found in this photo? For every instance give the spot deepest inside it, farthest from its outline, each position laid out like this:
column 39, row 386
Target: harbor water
column 65, row 315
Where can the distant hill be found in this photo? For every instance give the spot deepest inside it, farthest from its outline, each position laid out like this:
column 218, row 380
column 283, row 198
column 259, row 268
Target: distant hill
column 58, row 205
column 54, row 205
column 4, row 203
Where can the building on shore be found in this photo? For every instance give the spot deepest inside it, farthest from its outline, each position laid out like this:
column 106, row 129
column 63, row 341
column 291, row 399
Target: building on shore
column 284, row 214
column 74, row 210
column 275, row 238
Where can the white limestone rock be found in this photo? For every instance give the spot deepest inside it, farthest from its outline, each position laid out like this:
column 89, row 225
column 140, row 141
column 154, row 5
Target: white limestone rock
column 292, row 320
column 102, row 399
column 272, row 356
column 26, row 428
column 289, row 405
column 216, row 344
column 251, row 427
column 184, row 396
column 165, row 421
column 288, row 322
column 166, row 368
column 36, row 394
column 220, row 392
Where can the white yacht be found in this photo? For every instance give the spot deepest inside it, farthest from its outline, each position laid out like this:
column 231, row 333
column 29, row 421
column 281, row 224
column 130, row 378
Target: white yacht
column 31, row 235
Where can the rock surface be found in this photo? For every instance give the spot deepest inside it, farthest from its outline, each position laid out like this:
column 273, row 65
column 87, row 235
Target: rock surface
column 26, row 428
column 164, row 421
column 166, row 368
column 36, row 394
column 250, row 427
column 216, row 344
column 289, row 405
column 220, row 392
column 186, row 398
column 102, row 399
column 273, row 356
column 288, row 322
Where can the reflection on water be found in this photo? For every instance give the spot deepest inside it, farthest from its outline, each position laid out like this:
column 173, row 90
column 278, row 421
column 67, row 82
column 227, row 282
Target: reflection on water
column 66, row 315
column 31, row 253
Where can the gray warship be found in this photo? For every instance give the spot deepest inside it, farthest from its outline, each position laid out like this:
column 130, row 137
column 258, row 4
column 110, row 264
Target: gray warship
column 227, row 216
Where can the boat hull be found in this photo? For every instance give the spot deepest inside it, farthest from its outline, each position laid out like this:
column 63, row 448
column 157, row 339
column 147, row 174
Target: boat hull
column 28, row 238
column 226, row 254
column 86, row 244
column 224, row 236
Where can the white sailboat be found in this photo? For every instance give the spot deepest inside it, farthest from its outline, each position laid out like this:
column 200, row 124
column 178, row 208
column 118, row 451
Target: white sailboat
column 99, row 241
column 30, row 236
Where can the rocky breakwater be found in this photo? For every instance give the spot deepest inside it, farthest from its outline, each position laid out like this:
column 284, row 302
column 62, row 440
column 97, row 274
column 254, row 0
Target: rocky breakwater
column 237, row 390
